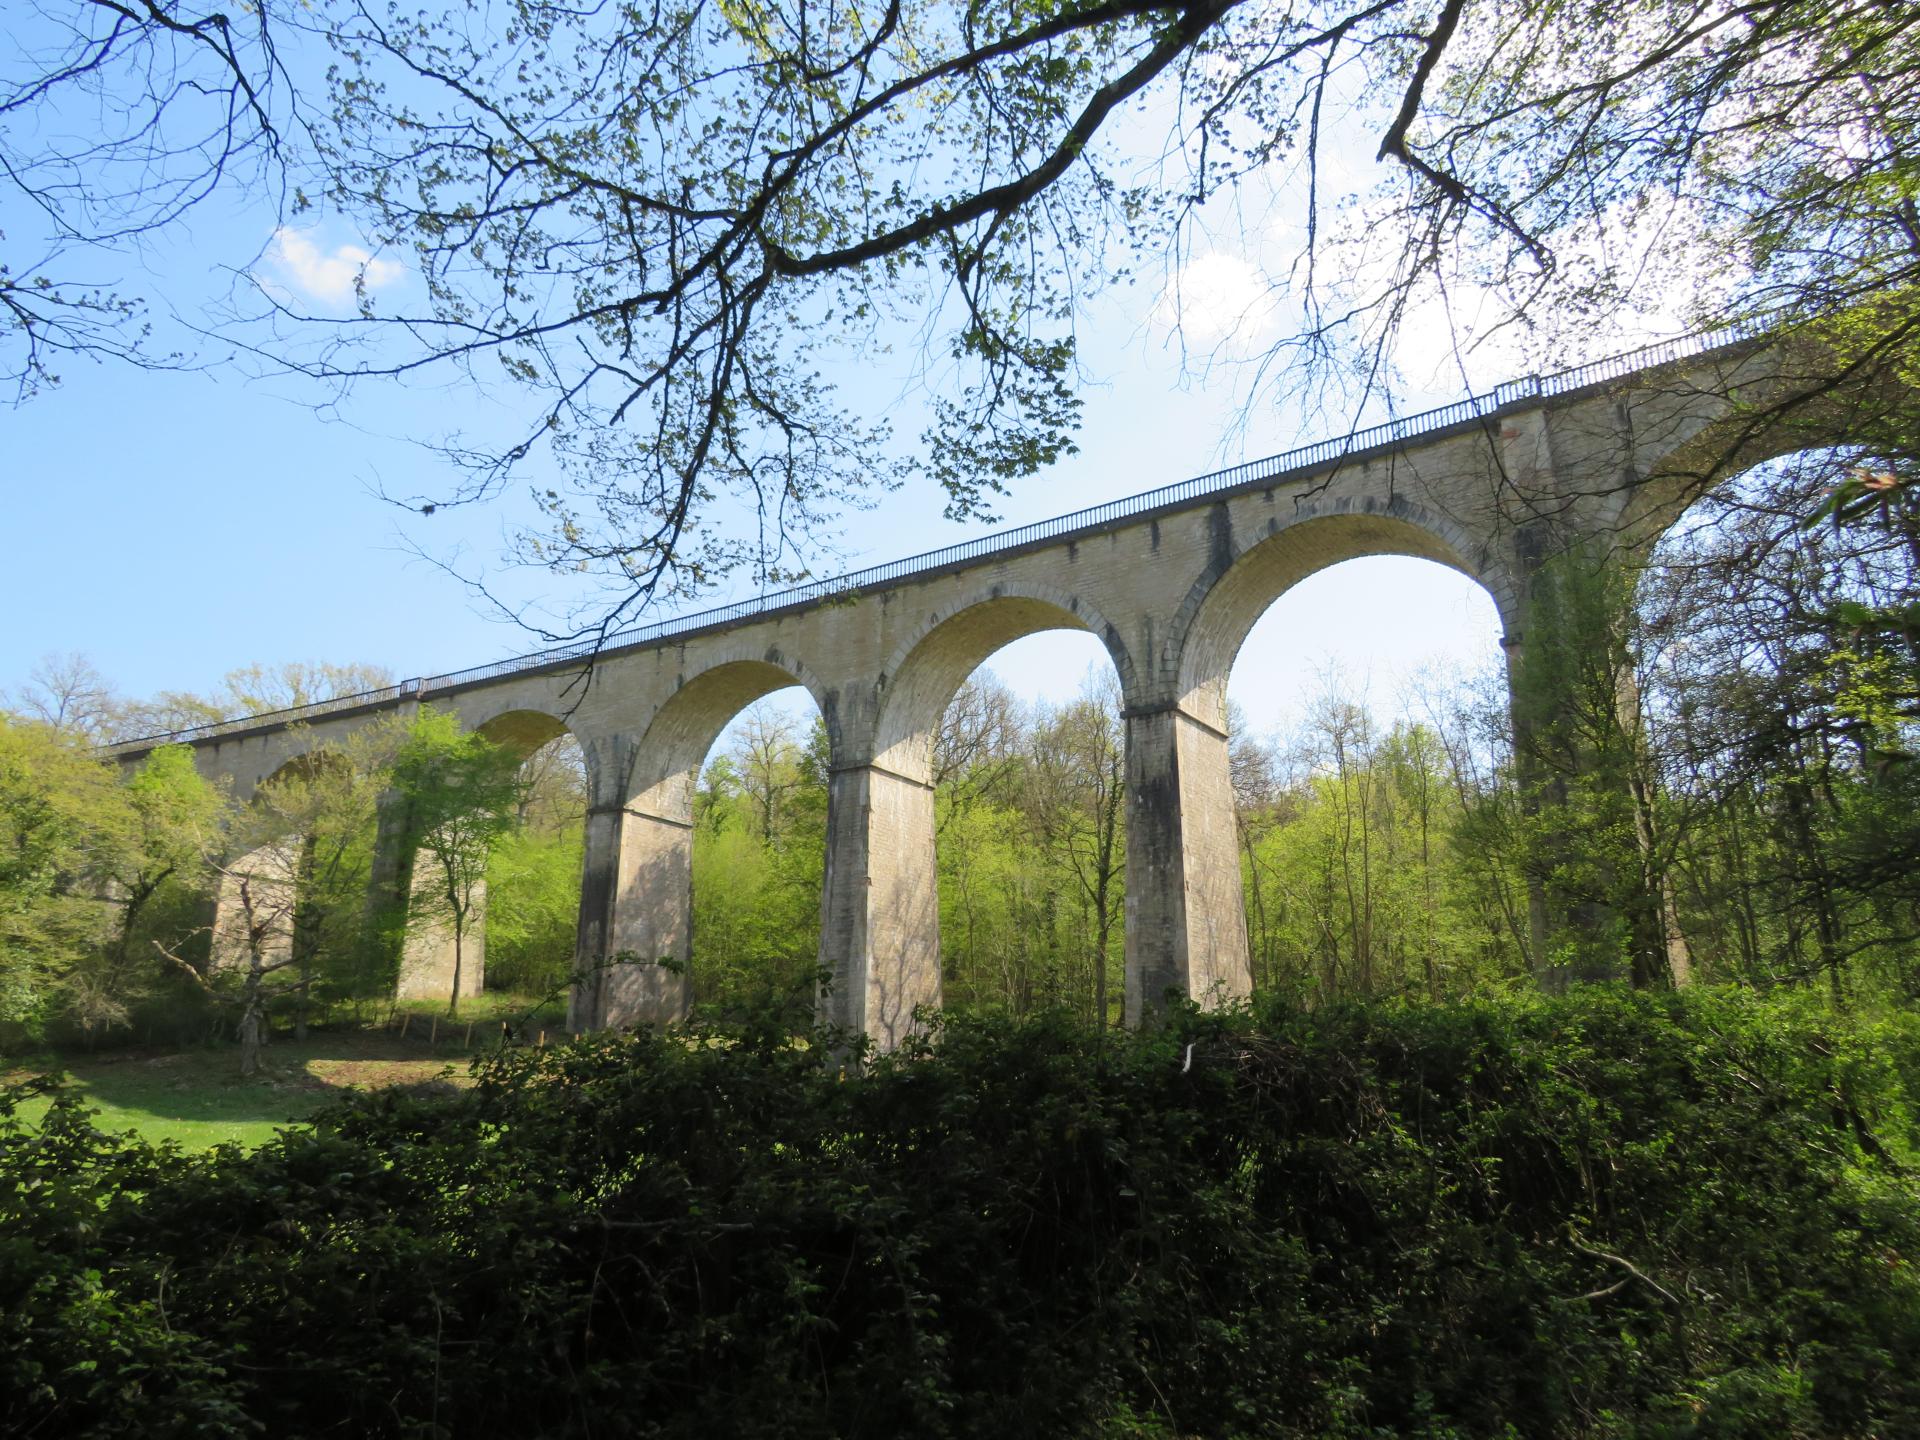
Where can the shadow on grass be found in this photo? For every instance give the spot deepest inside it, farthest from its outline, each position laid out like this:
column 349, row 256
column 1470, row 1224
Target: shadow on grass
column 198, row 1097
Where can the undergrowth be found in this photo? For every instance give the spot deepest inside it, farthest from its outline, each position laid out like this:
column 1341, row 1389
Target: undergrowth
column 1601, row 1215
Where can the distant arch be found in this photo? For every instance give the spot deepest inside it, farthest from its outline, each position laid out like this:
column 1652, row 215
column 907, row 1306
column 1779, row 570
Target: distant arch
column 1804, row 389
column 926, row 669
column 308, row 763
column 1229, row 598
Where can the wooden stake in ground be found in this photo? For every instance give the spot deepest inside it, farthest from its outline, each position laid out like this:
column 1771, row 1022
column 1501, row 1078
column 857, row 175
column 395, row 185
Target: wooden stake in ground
column 433, row 1030
column 405, row 1020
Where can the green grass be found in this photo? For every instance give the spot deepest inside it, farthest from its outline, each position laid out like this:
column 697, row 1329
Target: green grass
column 197, row 1098
column 488, row 1010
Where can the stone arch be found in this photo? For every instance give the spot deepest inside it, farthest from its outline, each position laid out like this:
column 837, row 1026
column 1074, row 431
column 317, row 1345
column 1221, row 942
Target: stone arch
column 317, row 757
column 1233, row 593
column 263, row 878
column 244, row 763
column 523, row 730
column 425, row 944
column 1720, row 453
column 926, row 669
column 664, row 766
column 1788, row 396
column 636, row 903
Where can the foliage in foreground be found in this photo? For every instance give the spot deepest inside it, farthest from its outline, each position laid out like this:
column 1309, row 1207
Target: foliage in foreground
column 1603, row 1215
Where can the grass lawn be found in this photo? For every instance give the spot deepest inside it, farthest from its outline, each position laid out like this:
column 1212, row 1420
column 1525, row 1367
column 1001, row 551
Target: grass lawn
column 198, row 1098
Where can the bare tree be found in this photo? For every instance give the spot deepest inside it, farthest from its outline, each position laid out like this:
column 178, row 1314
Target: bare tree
column 260, row 689
column 555, row 780
column 674, row 228
column 254, row 689
column 766, row 762
column 977, row 746
column 117, row 119
column 673, row 225
column 68, row 693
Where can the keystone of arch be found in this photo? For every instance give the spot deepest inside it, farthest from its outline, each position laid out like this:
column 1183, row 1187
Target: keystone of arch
column 925, row 670
column 1244, row 580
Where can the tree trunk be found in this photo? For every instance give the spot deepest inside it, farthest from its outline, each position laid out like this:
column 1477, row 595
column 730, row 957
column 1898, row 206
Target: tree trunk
column 453, row 1001
column 251, row 1029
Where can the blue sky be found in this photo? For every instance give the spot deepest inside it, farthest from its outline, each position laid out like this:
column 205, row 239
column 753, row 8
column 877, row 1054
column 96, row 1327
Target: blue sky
column 174, row 525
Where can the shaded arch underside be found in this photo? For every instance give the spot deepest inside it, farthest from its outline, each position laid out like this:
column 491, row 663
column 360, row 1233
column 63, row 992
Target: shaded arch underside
column 1717, row 457
column 307, row 765
column 1771, row 403
column 523, row 731
column 1225, row 612
column 918, row 689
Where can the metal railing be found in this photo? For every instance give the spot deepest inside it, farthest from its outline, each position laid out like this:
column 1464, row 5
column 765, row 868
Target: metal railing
column 1288, row 464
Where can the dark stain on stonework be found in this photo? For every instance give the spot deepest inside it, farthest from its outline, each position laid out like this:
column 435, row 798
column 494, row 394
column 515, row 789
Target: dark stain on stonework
column 1156, row 796
column 1219, row 538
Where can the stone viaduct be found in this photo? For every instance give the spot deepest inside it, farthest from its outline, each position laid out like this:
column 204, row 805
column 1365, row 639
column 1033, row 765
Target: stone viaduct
column 1170, row 581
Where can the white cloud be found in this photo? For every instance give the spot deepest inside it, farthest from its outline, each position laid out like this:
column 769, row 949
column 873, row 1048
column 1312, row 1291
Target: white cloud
column 1217, row 298
column 329, row 276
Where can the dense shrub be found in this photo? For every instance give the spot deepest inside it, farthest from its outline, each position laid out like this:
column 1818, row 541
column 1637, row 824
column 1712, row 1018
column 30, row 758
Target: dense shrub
column 1602, row 1215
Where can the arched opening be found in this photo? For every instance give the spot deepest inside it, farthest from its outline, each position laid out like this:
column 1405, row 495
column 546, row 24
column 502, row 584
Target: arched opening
column 1748, row 437
column 1345, row 688
column 289, row 907
column 883, row 919
column 759, row 857
column 259, row 889
column 1029, row 777
column 531, row 887
column 638, row 958
column 1225, row 612
column 478, row 845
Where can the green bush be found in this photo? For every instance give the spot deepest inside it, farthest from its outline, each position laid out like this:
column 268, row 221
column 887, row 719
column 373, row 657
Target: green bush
column 1603, row 1215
